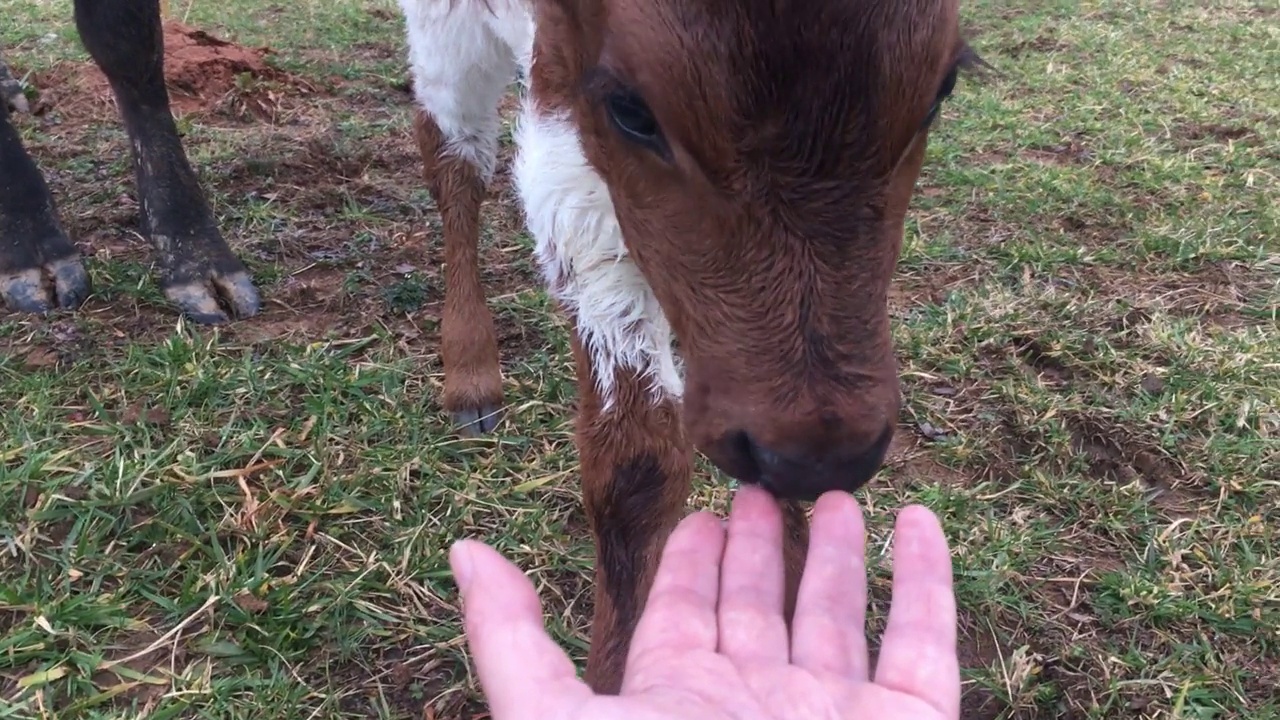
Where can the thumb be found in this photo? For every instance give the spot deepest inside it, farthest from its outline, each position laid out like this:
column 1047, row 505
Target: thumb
column 516, row 660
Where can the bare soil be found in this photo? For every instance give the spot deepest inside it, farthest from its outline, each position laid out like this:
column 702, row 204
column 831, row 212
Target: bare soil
column 205, row 75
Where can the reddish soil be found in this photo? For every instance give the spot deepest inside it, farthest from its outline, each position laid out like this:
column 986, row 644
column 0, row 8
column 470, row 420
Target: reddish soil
column 204, row 75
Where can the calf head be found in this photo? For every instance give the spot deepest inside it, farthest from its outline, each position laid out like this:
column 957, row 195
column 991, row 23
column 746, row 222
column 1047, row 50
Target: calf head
column 760, row 156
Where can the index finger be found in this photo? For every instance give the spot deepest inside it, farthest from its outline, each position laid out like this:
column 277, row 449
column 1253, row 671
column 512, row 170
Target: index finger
column 918, row 651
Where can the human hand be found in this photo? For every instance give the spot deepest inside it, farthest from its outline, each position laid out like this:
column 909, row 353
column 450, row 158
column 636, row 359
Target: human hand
column 712, row 641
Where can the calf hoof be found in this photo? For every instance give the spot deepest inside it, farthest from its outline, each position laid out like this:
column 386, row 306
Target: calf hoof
column 477, row 421
column 472, row 387
column 60, row 283
column 216, row 298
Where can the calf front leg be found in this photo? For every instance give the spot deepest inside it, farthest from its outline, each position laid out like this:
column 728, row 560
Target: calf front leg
column 795, row 546
column 198, row 271
column 636, row 469
column 635, row 460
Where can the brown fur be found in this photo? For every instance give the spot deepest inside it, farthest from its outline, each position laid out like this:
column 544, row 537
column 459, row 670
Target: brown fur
column 771, row 232
column 469, row 342
column 636, row 470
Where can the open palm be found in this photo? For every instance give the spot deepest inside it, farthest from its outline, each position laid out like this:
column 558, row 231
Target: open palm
column 713, row 643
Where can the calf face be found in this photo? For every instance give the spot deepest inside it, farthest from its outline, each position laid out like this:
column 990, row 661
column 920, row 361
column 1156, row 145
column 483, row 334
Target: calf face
column 760, row 156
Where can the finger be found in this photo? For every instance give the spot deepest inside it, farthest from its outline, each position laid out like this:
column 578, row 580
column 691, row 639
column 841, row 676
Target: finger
column 828, row 633
column 751, row 581
column 515, row 658
column 680, row 613
column 918, row 652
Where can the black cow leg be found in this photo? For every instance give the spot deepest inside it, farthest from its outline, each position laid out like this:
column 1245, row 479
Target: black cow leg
column 199, row 273
column 39, row 266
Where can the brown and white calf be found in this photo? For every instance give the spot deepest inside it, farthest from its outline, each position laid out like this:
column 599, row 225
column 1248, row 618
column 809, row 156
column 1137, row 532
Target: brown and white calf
column 731, row 173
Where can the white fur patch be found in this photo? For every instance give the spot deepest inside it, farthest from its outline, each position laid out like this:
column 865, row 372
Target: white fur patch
column 463, row 54
column 583, row 258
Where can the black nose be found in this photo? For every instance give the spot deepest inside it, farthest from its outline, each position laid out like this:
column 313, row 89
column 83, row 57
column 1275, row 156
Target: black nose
column 806, row 475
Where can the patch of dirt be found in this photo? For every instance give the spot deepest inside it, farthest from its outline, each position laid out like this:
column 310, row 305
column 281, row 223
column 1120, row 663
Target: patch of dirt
column 1111, row 453
column 1039, row 45
column 1094, row 232
column 1215, row 295
column 985, row 228
column 910, row 463
column 1187, row 136
column 993, row 157
column 976, row 646
column 932, row 286
column 1038, row 359
column 978, row 649
column 136, row 672
column 1115, row 458
column 54, row 532
column 1071, row 151
column 415, row 680
column 204, row 75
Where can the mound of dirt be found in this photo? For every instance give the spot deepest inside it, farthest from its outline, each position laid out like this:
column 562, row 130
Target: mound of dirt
column 200, row 68
column 204, row 75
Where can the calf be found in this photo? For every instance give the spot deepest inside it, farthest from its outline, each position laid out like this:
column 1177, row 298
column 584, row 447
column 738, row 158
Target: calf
column 731, row 173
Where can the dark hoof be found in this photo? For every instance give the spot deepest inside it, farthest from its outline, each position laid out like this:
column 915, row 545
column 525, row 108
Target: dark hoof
column 59, row 284
column 17, row 102
column 218, row 299
column 11, row 92
column 474, row 422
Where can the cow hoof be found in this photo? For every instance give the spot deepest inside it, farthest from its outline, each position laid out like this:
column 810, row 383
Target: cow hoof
column 58, row 284
column 11, row 92
column 474, row 422
column 18, row 103
column 217, row 299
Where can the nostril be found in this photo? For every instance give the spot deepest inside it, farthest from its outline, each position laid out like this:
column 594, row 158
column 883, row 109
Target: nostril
column 765, row 459
column 757, row 463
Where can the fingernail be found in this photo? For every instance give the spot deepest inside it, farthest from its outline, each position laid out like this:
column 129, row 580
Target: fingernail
column 461, row 563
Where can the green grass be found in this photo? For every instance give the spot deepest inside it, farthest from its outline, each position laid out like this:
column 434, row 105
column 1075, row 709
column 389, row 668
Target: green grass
column 252, row 522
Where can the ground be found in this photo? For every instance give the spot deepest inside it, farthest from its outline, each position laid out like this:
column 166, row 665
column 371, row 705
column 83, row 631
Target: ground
column 252, row 521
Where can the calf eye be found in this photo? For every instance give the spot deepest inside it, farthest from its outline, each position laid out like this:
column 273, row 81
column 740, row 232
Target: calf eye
column 634, row 120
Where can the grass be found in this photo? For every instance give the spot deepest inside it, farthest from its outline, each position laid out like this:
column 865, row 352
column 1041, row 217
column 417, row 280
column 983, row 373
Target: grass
column 252, row 521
